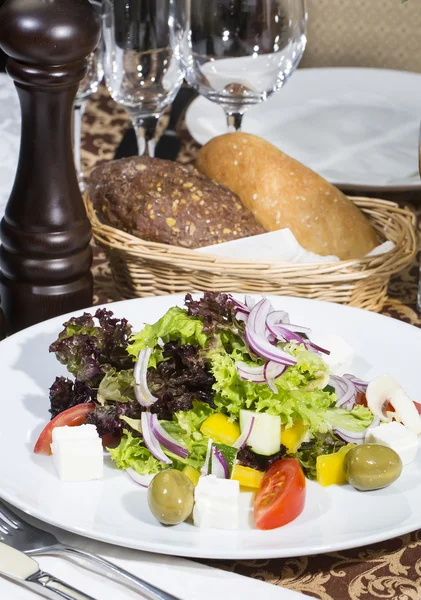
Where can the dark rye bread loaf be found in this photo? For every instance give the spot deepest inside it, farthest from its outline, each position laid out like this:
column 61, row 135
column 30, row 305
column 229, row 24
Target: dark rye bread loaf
column 167, row 202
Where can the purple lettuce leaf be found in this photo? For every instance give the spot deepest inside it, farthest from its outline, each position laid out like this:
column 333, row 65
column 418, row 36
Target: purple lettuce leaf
column 65, row 393
column 183, row 376
column 89, row 350
column 107, row 418
column 247, row 458
column 214, row 309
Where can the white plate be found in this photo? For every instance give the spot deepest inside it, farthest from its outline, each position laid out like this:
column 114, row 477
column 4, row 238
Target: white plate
column 114, row 509
column 9, row 137
column 356, row 127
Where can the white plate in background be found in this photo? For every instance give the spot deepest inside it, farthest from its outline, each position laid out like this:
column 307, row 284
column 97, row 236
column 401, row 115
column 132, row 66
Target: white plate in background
column 356, row 127
column 115, row 510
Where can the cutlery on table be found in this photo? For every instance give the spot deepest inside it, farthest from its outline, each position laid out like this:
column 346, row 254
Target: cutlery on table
column 21, row 535
column 23, row 569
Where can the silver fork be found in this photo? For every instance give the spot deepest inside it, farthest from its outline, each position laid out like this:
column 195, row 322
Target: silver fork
column 18, row 533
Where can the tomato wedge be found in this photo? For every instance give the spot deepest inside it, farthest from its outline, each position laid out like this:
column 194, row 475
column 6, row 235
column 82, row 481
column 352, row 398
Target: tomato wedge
column 281, row 496
column 75, row 415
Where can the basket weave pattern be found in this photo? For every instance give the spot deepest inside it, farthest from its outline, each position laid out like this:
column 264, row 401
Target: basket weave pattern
column 142, row 268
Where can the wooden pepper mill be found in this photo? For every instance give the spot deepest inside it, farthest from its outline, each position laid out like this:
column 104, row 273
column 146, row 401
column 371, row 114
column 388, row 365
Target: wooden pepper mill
column 45, row 257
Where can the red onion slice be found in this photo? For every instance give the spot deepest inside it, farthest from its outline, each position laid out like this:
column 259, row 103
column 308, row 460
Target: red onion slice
column 264, row 348
column 150, row 440
column 339, row 385
column 274, row 370
column 249, row 373
column 250, row 302
column 271, row 372
column 360, row 384
column 352, row 437
column 318, row 348
column 257, row 317
column 166, row 440
column 345, row 390
column 241, row 441
column 240, row 316
column 285, row 335
column 276, row 317
column 240, row 305
column 143, row 480
column 141, row 390
column 219, row 464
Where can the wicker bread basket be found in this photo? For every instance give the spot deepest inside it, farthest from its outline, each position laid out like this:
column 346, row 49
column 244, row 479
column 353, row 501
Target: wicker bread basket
column 142, row 268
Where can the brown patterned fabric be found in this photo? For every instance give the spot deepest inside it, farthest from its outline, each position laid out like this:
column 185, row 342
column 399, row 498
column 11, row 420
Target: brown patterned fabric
column 364, row 33
column 387, row 571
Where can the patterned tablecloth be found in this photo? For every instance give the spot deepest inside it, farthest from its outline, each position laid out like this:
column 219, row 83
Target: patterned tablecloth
column 389, row 570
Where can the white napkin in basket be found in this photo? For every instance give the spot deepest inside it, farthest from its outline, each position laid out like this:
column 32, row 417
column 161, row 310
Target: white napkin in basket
column 279, row 245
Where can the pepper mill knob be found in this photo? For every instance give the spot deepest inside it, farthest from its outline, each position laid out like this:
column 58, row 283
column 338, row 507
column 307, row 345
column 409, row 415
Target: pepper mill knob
column 45, row 257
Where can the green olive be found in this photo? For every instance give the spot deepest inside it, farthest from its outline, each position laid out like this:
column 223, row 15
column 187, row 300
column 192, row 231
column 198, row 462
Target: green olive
column 372, row 466
column 171, row 497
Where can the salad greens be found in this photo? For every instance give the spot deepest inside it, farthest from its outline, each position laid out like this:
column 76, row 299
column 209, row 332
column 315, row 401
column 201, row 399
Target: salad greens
column 192, row 373
column 132, row 452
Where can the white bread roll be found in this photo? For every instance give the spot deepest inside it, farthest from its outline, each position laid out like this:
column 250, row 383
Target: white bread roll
column 282, row 192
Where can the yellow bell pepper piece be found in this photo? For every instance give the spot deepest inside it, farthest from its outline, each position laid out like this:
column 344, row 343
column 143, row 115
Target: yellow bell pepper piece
column 292, row 437
column 192, row 474
column 330, row 467
column 221, row 429
column 248, row 477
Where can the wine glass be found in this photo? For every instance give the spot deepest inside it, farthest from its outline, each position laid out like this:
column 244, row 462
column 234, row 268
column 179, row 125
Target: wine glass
column 143, row 69
column 239, row 52
column 88, row 86
column 419, row 272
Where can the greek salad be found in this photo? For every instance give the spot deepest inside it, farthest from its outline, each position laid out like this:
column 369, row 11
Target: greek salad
column 218, row 397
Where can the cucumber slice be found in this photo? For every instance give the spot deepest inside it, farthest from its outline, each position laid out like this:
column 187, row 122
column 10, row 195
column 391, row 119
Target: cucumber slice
column 265, row 437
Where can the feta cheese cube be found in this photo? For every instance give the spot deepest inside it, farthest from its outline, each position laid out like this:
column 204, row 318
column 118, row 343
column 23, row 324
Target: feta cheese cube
column 77, row 453
column 75, row 433
column 395, row 435
column 341, row 354
column 217, row 503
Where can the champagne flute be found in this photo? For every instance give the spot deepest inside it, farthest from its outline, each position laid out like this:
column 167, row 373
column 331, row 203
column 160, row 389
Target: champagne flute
column 237, row 53
column 143, row 69
column 88, row 86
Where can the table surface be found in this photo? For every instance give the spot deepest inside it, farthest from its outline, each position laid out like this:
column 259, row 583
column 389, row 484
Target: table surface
column 387, row 570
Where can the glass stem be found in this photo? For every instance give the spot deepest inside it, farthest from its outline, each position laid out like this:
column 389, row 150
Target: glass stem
column 145, row 129
column 234, row 120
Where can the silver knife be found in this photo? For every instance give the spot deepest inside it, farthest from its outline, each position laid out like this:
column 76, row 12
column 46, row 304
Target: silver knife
column 23, row 569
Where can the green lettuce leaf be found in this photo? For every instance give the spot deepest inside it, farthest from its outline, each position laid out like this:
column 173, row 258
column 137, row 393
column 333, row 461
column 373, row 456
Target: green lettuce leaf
column 233, row 393
column 357, row 419
column 191, row 421
column 135, row 424
column 309, row 370
column 311, row 407
column 132, row 452
column 116, row 386
column 174, row 325
column 185, row 428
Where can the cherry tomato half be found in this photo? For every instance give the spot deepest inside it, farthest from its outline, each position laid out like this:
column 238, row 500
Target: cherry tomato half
column 75, row 415
column 281, row 496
